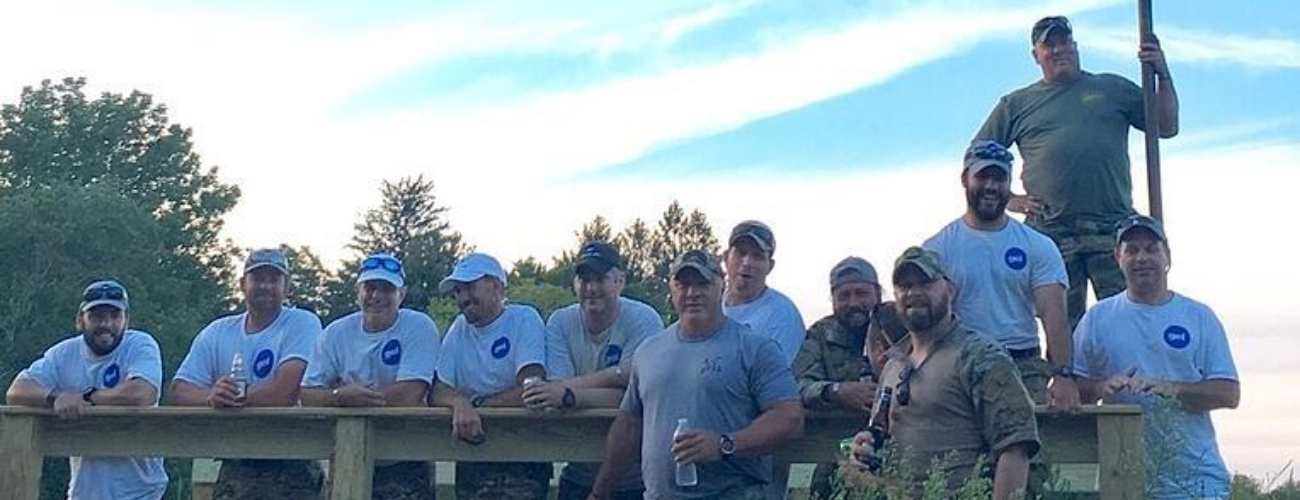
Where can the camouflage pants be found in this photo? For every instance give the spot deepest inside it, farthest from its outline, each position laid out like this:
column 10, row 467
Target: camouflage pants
column 746, row 491
column 402, row 481
column 570, row 490
column 823, row 480
column 268, row 480
column 1088, row 249
column 502, row 480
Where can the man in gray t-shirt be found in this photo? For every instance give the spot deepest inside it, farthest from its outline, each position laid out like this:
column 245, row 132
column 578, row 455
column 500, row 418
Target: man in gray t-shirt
column 589, row 346
column 1072, row 130
column 709, row 370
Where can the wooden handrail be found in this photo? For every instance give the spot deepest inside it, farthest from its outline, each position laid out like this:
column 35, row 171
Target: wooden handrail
column 1110, row 436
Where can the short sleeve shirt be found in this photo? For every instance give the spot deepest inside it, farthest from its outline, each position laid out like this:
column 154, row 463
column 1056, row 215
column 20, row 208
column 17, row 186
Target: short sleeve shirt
column 291, row 336
column 571, row 351
column 347, row 354
column 1179, row 341
column 71, row 366
column 1074, row 140
column 482, row 361
column 774, row 316
column 996, row 273
column 966, row 401
column 720, row 383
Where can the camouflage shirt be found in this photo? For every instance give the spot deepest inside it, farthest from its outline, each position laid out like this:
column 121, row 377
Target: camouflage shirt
column 830, row 353
column 965, row 400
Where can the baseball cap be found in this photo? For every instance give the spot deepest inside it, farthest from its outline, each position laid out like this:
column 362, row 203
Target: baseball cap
column 982, row 154
column 598, row 257
column 928, row 261
column 853, row 269
column 707, row 265
column 757, row 231
column 382, row 266
column 471, row 268
column 1045, row 26
column 1139, row 221
column 104, row 293
column 264, row 257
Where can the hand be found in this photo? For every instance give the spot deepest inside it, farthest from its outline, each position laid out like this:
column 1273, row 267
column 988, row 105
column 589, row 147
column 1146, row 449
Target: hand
column 696, row 446
column 466, row 425
column 223, row 394
column 1153, row 387
column 856, row 396
column 1026, row 204
column 861, row 450
column 69, row 405
column 1117, row 384
column 1151, row 53
column 546, row 395
column 357, row 395
column 1063, row 395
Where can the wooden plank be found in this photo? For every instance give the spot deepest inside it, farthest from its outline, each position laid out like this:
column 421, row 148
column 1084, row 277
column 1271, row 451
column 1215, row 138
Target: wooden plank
column 1068, row 439
column 20, row 456
column 1121, row 457
column 353, row 461
column 214, row 434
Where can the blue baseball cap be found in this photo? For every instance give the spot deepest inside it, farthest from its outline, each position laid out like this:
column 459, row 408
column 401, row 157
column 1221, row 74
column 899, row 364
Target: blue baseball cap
column 984, row 154
column 471, row 268
column 382, row 267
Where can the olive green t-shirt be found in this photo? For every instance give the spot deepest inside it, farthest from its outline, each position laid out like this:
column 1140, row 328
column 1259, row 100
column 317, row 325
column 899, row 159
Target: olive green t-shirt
column 1074, row 140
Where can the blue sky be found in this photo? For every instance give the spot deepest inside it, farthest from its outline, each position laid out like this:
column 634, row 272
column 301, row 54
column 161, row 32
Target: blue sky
column 840, row 123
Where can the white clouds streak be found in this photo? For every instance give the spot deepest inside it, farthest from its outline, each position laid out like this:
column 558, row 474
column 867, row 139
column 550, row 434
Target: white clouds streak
column 1203, row 47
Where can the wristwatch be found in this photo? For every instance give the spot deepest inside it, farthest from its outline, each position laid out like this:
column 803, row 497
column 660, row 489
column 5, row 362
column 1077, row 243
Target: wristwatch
column 569, row 400
column 87, row 396
column 1064, row 371
column 829, row 391
column 477, row 401
column 726, row 445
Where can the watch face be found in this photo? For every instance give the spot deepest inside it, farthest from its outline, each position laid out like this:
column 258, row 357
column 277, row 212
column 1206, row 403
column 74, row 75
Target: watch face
column 726, row 444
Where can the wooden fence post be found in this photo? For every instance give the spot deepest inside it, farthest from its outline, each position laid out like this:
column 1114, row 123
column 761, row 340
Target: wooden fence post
column 353, row 460
column 20, row 465
column 1121, row 454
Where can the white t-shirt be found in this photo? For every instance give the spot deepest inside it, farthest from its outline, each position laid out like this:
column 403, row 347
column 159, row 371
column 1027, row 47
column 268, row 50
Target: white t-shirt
column 484, row 361
column 774, row 316
column 995, row 273
column 291, row 336
column 570, row 351
column 71, row 366
column 347, row 354
column 1180, row 341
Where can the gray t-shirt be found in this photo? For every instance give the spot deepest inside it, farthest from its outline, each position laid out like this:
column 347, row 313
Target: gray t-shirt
column 772, row 315
column 1074, row 140
column 720, row 383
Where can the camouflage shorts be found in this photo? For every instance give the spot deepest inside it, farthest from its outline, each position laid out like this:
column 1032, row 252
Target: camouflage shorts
column 268, row 480
column 403, row 481
column 1034, row 373
column 1088, row 249
column 502, row 480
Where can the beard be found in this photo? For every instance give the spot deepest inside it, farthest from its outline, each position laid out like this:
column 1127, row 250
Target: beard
column 975, row 201
column 92, row 339
column 854, row 318
column 922, row 318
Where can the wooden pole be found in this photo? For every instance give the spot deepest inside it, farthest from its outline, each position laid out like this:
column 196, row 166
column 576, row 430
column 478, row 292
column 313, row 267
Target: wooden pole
column 1154, row 197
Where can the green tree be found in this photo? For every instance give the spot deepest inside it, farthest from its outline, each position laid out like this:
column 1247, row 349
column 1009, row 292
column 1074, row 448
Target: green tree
column 312, row 283
column 410, row 224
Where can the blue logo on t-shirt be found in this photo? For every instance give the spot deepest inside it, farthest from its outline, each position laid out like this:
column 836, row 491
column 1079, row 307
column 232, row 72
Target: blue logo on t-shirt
column 500, row 348
column 1016, row 258
column 112, row 376
column 392, row 352
column 263, row 362
column 1177, row 337
column 613, row 354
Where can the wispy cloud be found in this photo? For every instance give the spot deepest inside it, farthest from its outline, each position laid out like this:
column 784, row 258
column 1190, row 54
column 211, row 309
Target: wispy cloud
column 1203, row 47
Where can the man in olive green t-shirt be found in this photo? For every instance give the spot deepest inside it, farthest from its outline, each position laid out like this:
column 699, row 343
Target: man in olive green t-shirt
column 1072, row 130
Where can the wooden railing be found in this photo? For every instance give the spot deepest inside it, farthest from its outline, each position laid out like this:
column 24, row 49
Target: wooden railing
column 353, row 440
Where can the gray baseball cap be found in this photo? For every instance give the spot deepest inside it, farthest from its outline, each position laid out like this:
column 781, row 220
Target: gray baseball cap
column 852, row 270
column 104, row 293
column 757, row 231
column 267, row 257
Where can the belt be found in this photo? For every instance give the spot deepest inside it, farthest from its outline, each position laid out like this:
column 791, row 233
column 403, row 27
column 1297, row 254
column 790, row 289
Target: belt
column 1032, row 352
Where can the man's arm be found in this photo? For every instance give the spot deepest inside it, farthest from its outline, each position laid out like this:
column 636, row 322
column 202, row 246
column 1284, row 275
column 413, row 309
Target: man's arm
column 283, row 389
column 28, row 392
column 406, row 393
column 1049, row 302
column 183, row 393
column 780, row 423
column 513, row 397
column 1195, row 397
column 1166, row 96
column 622, row 450
column 133, row 392
column 466, row 424
column 1012, row 473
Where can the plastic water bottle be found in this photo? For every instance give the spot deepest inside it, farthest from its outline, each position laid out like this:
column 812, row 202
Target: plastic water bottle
column 686, row 474
column 240, row 374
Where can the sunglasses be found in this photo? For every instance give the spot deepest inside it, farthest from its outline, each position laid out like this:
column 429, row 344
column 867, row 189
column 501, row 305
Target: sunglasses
column 903, row 391
column 106, row 291
column 385, row 263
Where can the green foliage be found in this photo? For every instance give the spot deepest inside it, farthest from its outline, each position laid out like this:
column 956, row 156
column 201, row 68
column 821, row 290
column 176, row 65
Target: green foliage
column 545, row 297
column 312, row 282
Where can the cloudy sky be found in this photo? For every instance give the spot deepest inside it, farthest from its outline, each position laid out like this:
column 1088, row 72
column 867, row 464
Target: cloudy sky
column 840, row 123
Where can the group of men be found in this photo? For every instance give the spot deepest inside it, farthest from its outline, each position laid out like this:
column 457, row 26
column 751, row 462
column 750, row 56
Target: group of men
column 958, row 348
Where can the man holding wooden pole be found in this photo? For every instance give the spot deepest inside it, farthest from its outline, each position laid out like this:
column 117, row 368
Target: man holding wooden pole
column 1072, row 130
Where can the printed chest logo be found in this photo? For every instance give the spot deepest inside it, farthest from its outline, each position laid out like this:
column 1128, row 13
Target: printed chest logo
column 391, row 354
column 613, row 354
column 1015, row 258
column 112, row 376
column 500, row 348
column 711, row 364
column 1177, row 337
column 263, row 362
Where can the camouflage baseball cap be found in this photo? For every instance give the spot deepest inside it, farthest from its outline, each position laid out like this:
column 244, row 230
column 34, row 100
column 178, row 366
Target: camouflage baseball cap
column 853, row 269
column 983, row 154
column 707, row 265
column 1139, row 221
column 928, row 261
column 757, row 231
column 267, row 257
column 1045, row 26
